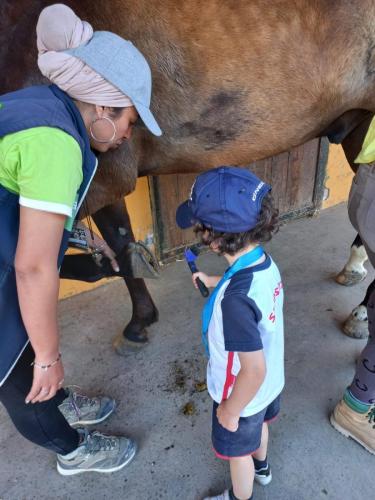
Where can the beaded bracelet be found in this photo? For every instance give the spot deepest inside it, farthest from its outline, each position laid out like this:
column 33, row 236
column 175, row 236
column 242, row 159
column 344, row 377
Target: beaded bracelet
column 45, row 367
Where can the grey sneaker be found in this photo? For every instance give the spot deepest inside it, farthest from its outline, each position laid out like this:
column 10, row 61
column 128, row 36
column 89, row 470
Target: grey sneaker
column 97, row 453
column 79, row 409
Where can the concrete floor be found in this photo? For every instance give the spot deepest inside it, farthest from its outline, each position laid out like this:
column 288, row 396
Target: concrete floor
column 310, row 459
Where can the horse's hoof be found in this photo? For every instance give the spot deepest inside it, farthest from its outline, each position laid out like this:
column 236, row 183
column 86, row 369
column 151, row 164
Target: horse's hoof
column 142, row 262
column 350, row 278
column 356, row 325
column 123, row 345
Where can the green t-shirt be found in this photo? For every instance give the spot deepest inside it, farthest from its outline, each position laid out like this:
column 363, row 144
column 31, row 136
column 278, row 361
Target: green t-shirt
column 43, row 165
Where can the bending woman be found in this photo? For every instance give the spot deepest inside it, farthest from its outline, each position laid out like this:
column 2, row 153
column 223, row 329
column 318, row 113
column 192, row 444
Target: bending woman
column 47, row 134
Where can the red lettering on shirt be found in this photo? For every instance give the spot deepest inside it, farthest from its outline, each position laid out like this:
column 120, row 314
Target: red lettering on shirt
column 272, row 317
column 276, row 293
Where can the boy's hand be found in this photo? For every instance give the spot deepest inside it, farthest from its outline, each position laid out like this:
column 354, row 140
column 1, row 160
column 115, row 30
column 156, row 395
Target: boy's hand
column 226, row 419
column 209, row 281
column 203, row 277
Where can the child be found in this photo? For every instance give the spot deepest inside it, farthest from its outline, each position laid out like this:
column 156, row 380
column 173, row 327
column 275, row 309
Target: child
column 232, row 211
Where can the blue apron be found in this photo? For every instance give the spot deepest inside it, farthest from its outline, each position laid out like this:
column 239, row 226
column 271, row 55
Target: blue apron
column 37, row 106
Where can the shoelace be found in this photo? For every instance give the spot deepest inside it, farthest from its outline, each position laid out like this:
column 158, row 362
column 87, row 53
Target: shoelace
column 74, row 402
column 97, row 442
column 78, row 398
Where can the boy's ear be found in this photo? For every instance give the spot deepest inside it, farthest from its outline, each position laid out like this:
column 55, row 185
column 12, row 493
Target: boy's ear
column 214, row 245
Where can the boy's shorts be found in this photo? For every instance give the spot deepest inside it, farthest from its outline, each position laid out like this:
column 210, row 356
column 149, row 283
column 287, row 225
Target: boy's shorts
column 246, row 440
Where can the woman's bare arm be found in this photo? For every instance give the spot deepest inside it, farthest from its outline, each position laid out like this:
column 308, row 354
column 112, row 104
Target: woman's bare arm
column 37, row 277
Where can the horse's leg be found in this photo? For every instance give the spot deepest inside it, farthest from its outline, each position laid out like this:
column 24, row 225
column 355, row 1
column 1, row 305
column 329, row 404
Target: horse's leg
column 114, row 224
column 354, row 270
column 356, row 325
column 81, row 267
column 134, row 261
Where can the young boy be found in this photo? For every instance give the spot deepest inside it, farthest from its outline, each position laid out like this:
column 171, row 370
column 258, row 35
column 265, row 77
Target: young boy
column 232, row 211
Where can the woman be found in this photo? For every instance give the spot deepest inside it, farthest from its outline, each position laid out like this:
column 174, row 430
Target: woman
column 47, row 134
column 354, row 415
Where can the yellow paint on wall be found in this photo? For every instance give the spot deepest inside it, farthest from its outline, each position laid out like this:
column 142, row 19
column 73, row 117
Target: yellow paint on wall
column 139, row 208
column 339, row 177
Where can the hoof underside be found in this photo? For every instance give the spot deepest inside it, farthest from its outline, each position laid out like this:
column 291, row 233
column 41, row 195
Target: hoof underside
column 142, row 262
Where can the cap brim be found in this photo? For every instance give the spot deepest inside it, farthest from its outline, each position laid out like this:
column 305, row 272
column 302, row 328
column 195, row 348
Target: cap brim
column 148, row 119
column 184, row 215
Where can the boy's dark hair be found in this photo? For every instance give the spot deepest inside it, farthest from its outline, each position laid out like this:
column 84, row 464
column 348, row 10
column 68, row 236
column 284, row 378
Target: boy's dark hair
column 230, row 243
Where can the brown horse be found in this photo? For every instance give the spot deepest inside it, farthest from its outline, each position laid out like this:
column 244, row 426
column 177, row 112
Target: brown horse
column 233, row 82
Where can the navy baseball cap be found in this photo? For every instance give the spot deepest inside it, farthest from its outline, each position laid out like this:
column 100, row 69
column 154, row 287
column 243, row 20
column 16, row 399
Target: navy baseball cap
column 226, row 199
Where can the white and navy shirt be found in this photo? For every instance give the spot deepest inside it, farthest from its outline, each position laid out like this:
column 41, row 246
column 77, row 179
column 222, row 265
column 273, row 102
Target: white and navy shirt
column 247, row 316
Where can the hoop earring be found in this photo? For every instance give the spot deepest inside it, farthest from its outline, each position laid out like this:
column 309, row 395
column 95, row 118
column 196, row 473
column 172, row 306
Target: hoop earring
column 114, row 130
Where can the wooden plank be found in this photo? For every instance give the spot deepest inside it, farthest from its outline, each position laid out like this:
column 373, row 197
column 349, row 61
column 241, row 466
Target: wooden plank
column 292, row 176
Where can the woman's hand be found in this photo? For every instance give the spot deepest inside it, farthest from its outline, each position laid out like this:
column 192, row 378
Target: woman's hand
column 209, row 281
column 99, row 245
column 227, row 419
column 45, row 382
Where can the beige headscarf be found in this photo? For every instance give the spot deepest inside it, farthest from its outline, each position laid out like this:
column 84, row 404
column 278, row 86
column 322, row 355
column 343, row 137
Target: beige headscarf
column 59, row 29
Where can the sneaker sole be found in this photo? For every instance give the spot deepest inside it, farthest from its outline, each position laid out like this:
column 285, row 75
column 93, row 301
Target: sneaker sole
column 79, row 423
column 347, row 434
column 73, row 472
column 263, row 480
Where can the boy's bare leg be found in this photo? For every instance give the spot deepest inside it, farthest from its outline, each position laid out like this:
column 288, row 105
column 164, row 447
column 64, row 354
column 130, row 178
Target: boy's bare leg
column 261, row 452
column 242, row 475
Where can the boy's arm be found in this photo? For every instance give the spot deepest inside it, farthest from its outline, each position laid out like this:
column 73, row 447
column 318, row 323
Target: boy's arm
column 209, row 281
column 241, row 335
column 248, row 382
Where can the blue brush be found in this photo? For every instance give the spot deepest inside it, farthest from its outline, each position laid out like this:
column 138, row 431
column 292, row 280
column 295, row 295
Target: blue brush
column 191, row 255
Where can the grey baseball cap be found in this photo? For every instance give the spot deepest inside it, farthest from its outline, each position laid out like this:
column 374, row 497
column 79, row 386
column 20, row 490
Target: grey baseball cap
column 122, row 64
